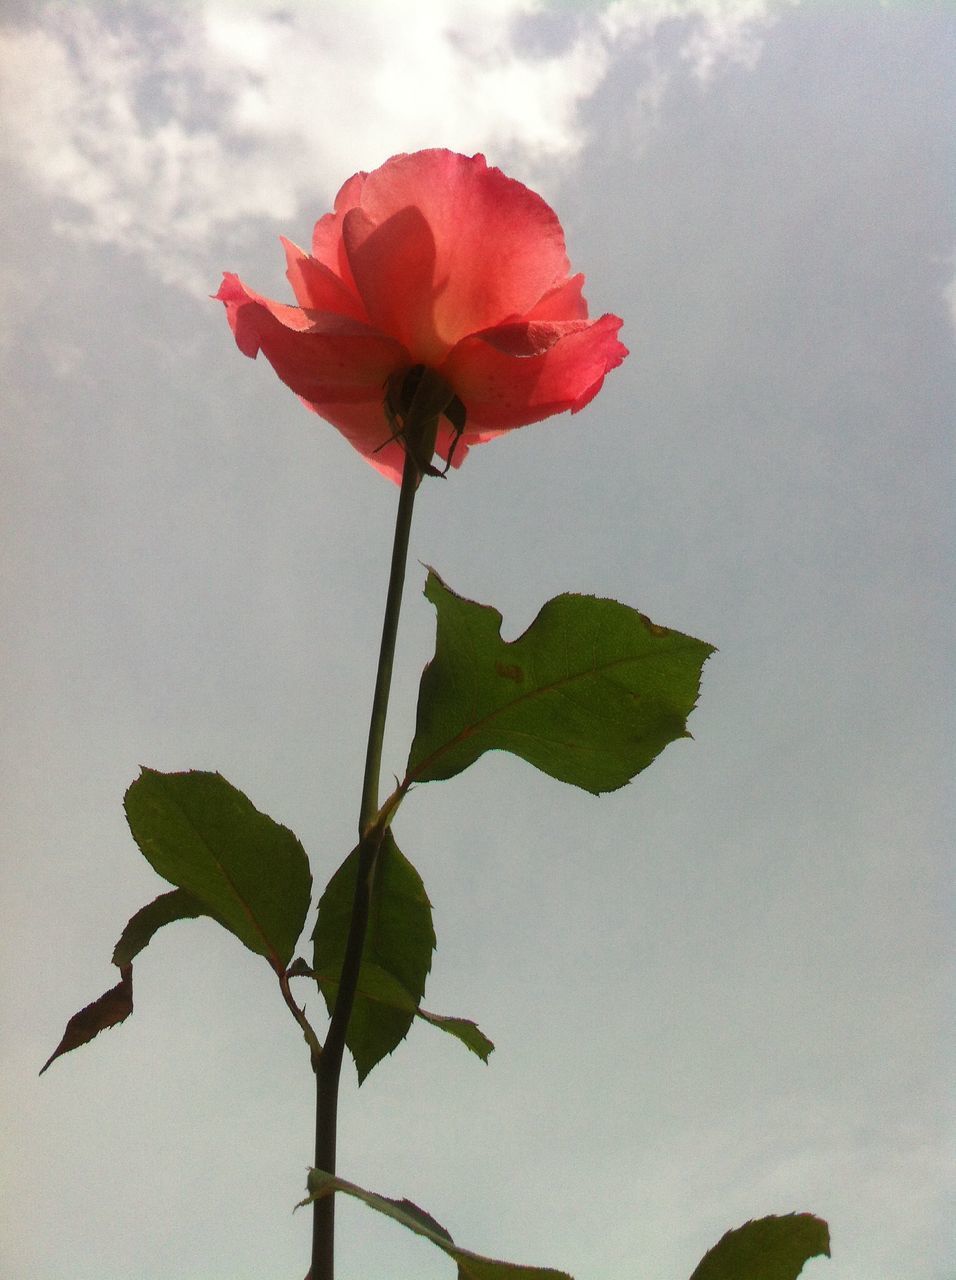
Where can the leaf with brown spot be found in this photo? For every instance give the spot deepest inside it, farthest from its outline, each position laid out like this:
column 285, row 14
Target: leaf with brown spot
column 591, row 693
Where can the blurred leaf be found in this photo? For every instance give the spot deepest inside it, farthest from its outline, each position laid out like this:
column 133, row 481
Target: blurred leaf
column 464, row 1030
column 248, row 872
column 471, row 1266
column 113, row 1007
column 773, row 1248
column 590, row 694
column 396, row 958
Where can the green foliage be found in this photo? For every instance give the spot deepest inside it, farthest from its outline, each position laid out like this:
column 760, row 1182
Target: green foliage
column 471, row 1266
column 591, row 693
column 115, row 1005
column 469, row 1033
column 231, row 863
column 381, row 989
column 767, row 1249
column 169, row 907
column 248, row 872
column 395, row 960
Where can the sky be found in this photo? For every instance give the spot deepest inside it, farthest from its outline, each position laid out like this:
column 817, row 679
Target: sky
column 720, row 992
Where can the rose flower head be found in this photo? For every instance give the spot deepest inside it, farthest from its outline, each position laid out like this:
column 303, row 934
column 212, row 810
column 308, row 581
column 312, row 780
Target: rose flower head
column 440, row 279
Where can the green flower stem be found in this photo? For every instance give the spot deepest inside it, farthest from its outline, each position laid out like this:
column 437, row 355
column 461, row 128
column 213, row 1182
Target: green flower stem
column 393, row 603
column 370, row 839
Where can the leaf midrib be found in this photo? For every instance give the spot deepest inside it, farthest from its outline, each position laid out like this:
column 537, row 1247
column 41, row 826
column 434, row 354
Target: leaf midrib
column 271, row 954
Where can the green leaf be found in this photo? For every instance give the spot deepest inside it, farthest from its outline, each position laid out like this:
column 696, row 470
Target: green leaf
column 115, row 1005
column 380, row 987
column 248, row 872
column 112, row 1007
column 232, row 864
column 471, row 1266
column 469, row 1033
column 397, row 955
column 591, row 693
column 169, row 907
column 767, row 1249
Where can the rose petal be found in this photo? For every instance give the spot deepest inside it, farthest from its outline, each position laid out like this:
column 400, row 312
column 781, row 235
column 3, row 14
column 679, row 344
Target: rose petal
column 324, row 358
column 327, row 246
column 491, row 251
column 521, row 373
column 317, row 287
column 436, row 259
column 393, row 265
column 564, row 302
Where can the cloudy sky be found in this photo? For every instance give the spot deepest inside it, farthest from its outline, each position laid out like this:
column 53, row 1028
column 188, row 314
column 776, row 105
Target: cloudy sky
column 718, row 993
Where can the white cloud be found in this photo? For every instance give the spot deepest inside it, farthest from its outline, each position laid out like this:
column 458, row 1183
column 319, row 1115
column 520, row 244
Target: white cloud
column 164, row 130
column 716, row 32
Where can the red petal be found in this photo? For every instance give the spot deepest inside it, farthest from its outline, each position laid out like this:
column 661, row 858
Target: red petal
column 317, row 287
column 442, row 246
column 521, row 373
column 325, row 358
column 327, row 246
column 337, row 366
column 436, row 259
column 564, row 302
column 393, row 266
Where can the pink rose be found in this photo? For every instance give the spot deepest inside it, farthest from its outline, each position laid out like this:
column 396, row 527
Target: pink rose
column 433, row 259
